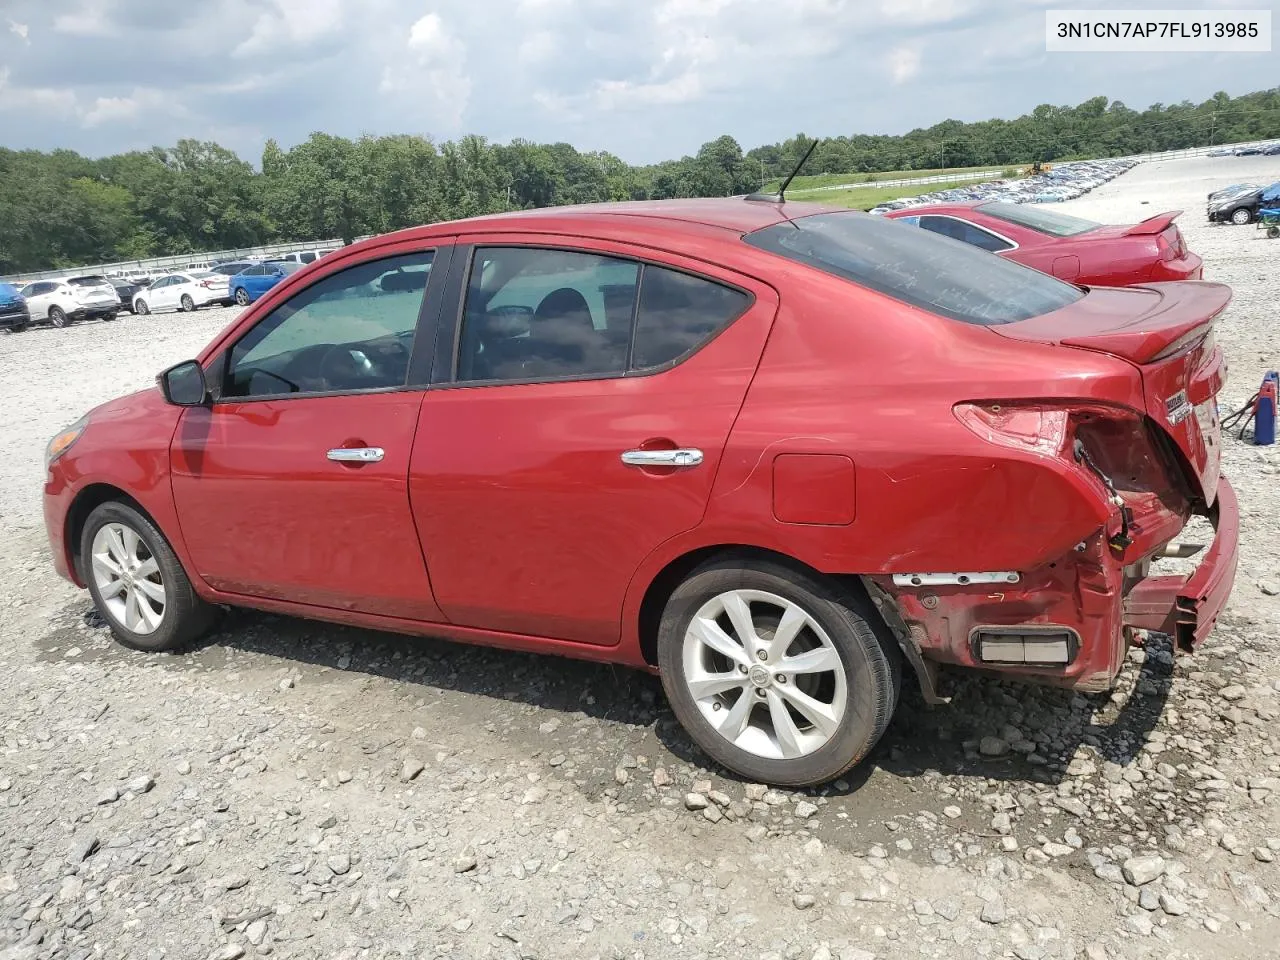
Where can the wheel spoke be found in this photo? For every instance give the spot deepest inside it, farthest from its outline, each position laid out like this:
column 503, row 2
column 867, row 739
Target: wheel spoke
column 131, row 541
column 104, row 563
column 112, row 589
column 147, row 568
column 147, row 616
column 735, row 720
column 151, row 589
column 710, row 634
column 818, row 660
column 713, row 683
column 739, row 613
column 115, row 545
column 131, row 613
column 820, row 714
column 793, row 621
column 784, row 728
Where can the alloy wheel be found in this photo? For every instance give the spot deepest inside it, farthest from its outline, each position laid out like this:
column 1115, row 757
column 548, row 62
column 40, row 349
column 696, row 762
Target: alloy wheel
column 187, row 303
column 128, row 578
column 764, row 674
column 242, row 296
column 141, row 307
column 57, row 317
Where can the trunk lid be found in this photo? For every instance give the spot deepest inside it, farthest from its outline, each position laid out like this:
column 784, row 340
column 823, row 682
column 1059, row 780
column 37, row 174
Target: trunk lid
column 1166, row 331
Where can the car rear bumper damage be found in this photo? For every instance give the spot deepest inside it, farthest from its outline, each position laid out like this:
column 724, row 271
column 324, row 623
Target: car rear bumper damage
column 1068, row 623
column 1186, row 607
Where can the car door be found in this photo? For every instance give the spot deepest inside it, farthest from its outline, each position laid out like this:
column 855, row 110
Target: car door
column 38, row 299
column 158, row 294
column 581, row 406
column 293, row 484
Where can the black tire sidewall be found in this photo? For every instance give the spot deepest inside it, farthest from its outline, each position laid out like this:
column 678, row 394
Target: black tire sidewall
column 872, row 671
column 185, row 615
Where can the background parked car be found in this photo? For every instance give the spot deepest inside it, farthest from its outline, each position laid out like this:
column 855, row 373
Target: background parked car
column 229, row 268
column 126, row 290
column 74, row 298
column 248, row 285
column 1238, row 207
column 14, row 315
column 186, row 291
column 1071, row 248
column 303, row 256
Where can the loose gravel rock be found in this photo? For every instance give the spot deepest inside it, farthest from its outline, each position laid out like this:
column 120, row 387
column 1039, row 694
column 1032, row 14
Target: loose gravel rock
column 403, row 797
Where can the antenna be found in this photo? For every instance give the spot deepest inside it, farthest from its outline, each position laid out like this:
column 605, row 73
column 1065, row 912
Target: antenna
column 780, row 196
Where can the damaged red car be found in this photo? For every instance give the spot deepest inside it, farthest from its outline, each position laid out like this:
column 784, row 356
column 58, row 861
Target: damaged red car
column 787, row 457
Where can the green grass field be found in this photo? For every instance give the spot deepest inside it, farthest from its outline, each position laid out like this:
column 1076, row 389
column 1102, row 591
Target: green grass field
column 864, row 198
column 833, row 179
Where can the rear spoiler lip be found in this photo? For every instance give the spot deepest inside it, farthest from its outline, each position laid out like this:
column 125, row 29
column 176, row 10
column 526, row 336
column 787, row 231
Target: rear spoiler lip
column 1152, row 225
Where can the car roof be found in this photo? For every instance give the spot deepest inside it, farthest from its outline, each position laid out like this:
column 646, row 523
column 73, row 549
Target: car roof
column 729, row 216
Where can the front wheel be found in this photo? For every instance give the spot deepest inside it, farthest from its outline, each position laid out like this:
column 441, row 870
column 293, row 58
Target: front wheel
column 187, row 303
column 108, row 317
column 1241, row 217
column 779, row 675
column 242, row 296
column 57, row 316
column 141, row 308
column 137, row 583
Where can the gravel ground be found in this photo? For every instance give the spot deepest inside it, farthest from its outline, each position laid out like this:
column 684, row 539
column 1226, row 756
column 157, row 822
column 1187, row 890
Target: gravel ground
column 305, row 790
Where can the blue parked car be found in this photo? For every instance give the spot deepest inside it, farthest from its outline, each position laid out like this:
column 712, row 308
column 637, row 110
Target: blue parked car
column 251, row 283
column 14, row 315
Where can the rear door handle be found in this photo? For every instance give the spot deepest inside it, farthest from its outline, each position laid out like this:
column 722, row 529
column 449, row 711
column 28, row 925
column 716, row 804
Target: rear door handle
column 688, row 457
column 356, row 454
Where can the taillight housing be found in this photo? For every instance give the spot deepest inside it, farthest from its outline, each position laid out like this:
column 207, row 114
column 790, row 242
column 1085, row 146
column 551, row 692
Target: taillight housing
column 1031, row 427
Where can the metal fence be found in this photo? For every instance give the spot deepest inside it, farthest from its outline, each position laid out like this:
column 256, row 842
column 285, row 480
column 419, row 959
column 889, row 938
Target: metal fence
column 908, row 182
column 153, row 266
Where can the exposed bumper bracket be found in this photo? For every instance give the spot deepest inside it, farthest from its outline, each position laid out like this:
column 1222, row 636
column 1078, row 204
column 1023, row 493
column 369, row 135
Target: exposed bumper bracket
column 1187, row 606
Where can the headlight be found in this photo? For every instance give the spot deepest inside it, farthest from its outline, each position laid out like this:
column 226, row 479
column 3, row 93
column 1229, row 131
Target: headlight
column 63, row 440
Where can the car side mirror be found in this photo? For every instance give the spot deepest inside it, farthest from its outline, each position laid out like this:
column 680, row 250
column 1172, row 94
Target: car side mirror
column 184, row 385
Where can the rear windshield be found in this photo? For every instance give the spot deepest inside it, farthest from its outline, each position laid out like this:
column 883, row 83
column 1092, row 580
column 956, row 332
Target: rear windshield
column 204, row 274
column 86, row 281
column 1043, row 221
column 927, row 270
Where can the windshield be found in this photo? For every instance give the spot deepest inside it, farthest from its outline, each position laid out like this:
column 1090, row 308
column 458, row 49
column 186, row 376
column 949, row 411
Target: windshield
column 1042, row 221
column 8, row 290
column 936, row 273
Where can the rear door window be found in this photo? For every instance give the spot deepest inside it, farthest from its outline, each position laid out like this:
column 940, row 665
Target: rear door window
column 916, row 267
column 965, row 232
column 679, row 313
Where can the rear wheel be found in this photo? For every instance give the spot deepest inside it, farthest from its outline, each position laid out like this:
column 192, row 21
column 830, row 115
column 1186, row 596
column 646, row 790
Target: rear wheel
column 110, row 316
column 242, row 296
column 1241, row 216
column 187, row 303
column 57, row 316
column 777, row 674
column 137, row 583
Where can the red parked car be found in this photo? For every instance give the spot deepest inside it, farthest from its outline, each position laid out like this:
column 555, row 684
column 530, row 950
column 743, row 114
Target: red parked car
column 772, row 452
column 1078, row 250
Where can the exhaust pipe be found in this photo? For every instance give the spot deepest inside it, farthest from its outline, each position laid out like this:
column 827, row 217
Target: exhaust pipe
column 1181, row 551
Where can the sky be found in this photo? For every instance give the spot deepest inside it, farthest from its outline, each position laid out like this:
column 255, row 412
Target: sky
column 646, row 80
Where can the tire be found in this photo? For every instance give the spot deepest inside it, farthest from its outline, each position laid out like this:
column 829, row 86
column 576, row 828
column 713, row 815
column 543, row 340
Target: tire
column 242, row 296
column 58, row 317
column 179, row 618
column 1241, row 216
column 140, row 307
column 108, row 317
column 859, row 677
column 188, row 305
column 18, row 327
column 1273, row 233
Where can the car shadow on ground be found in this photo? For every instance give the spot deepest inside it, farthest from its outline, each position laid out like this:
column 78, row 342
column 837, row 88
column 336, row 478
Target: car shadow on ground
column 920, row 740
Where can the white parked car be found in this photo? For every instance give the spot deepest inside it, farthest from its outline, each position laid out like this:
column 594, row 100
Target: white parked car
column 302, row 256
column 71, row 298
column 188, row 290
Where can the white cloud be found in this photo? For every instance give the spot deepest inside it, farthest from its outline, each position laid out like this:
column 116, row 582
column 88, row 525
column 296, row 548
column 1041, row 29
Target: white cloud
column 294, row 23
column 432, row 69
column 21, row 29
column 904, row 63
column 49, row 101
column 91, row 19
column 924, row 11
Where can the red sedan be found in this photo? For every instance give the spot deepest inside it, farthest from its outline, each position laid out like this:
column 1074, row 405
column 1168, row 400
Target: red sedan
column 771, row 452
column 1072, row 248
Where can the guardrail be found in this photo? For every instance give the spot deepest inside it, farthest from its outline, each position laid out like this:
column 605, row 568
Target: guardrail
column 153, row 266
column 907, row 182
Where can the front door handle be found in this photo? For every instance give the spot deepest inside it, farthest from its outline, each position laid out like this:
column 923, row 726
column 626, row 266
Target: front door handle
column 688, row 457
column 356, row 454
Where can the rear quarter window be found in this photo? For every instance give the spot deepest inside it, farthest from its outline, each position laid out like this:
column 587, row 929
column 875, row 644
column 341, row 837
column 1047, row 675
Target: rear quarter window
column 935, row 273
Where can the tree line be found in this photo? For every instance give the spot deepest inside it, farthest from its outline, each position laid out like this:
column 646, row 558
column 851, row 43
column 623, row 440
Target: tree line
column 60, row 208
